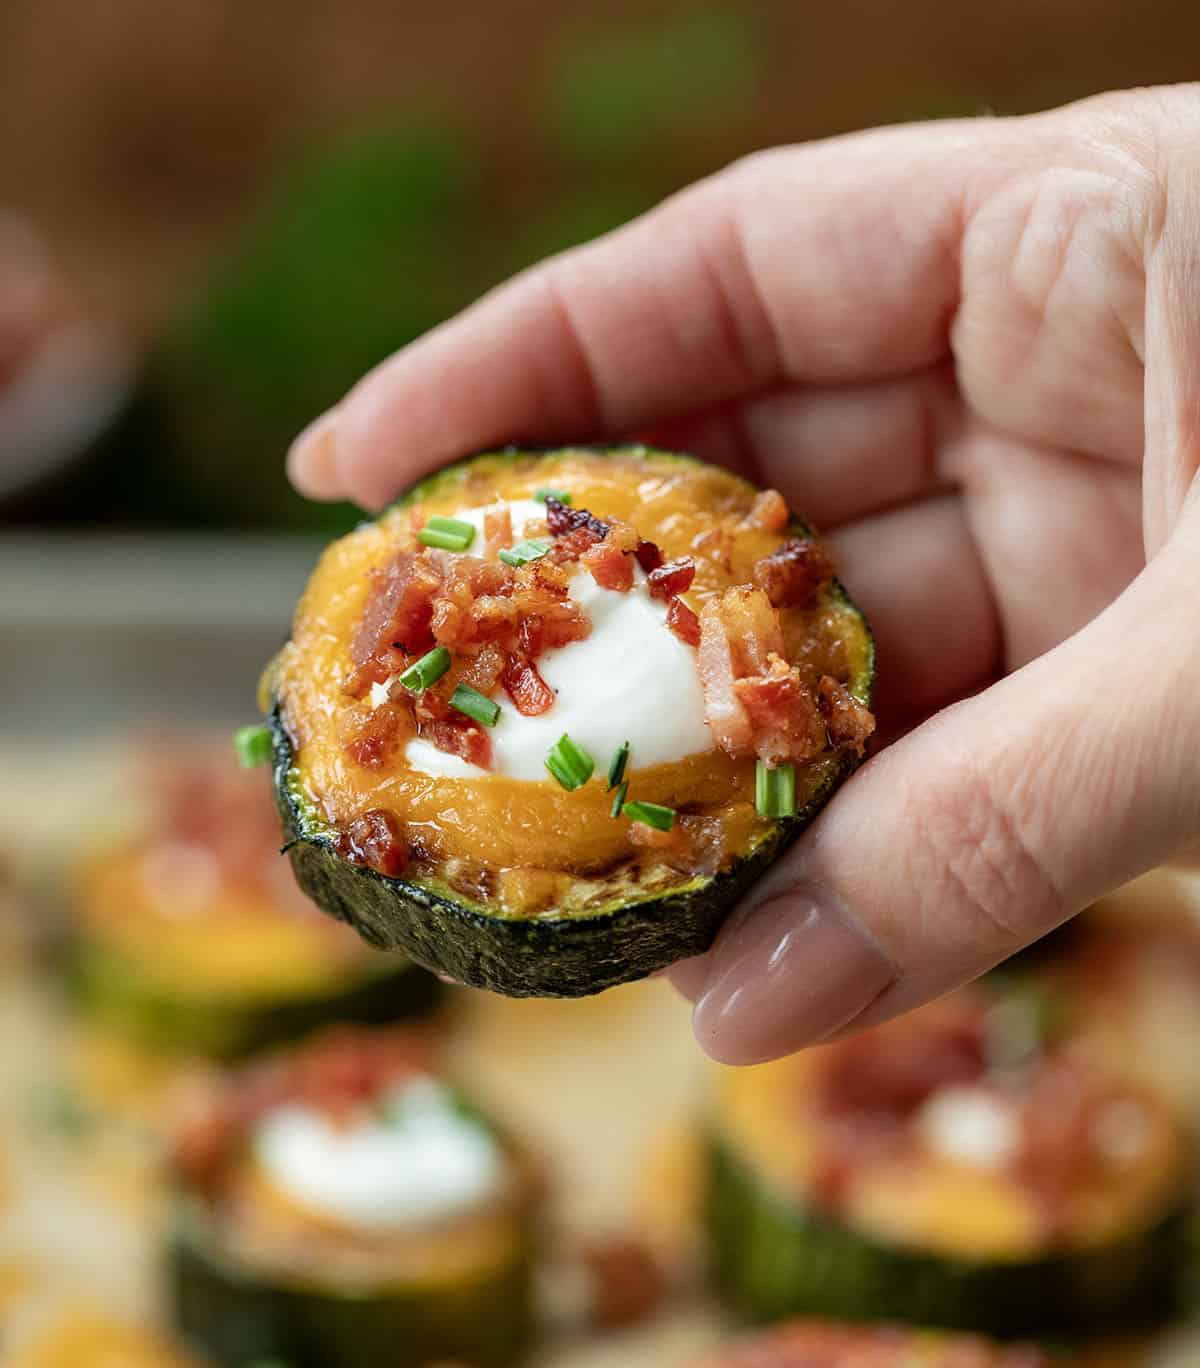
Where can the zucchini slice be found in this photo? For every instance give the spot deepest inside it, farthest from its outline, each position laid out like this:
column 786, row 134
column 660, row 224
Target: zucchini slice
column 186, row 940
column 546, row 879
column 266, row 1260
column 801, row 1344
column 912, row 1174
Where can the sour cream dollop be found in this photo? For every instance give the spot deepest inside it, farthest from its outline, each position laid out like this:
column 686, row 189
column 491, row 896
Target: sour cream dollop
column 971, row 1126
column 413, row 1162
column 631, row 679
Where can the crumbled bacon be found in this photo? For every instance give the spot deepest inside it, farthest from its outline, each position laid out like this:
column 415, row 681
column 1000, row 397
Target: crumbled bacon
column 847, row 722
column 457, row 621
column 377, row 740
column 769, row 511
column 549, row 617
column 396, row 619
column 627, row 1284
column 692, row 844
column 673, row 578
column 562, row 518
column 611, row 560
column 649, row 557
column 497, row 530
column 755, row 702
column 793, row 574
column 683, row 622
column 783, row 713
column 449, row 730
column 727, row 718
column 375, row 840
column 527, row 689
column 484, row 671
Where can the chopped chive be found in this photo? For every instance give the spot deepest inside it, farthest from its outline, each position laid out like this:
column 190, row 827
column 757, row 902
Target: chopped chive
column 561, row 495
column 449, row 534
column 775, row 790
column 474, row 704
column 253, row 745
column 569, row 763
column 651, row 815
column 526, row 551
column 426, row 671
column 616, row 770
column 618, row 801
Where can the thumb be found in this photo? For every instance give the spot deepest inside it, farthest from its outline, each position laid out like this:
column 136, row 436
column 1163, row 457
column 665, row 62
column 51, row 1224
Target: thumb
column 975, row 834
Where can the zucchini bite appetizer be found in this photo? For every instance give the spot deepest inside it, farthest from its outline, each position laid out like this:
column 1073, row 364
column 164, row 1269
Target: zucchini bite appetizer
column 819, row 1344
column 954, row 1168
column 343, row 1205
column 545, row 721
column 192, row 939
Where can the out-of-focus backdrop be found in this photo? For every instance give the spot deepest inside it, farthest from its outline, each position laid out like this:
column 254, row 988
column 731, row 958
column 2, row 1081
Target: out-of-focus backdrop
column 215, row 215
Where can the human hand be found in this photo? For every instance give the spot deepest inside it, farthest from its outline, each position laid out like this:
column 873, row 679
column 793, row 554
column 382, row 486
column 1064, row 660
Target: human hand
column 971, row 351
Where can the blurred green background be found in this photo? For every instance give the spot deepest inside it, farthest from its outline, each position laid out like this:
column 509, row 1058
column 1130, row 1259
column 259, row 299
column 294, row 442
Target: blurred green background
column 261, row 200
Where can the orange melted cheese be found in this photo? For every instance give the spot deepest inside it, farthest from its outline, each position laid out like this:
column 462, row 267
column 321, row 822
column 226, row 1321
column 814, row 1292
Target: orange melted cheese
column 516, row 829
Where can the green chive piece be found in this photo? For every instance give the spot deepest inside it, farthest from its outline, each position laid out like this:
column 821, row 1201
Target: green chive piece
column 253, row 745
column 474, row 704
column 449, row 534
column 426, row 671
column 526, row 551
column 569, row 763
column 616, row 770
column 562, row 495
column 651, row 815
column 775, row 790
column 618, row 801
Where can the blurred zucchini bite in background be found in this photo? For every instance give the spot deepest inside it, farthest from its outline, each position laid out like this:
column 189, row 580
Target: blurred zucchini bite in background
column 343, row 1205
column 546, row 720
column 964, row 1166
column 190, row 936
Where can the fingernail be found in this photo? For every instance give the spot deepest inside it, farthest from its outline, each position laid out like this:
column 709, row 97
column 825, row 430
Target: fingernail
column 786, row 974
column 312, row 464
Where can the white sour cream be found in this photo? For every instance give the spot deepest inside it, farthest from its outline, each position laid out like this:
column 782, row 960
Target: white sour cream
column 631, row 679
column 414, row 1162
column 971, row 1126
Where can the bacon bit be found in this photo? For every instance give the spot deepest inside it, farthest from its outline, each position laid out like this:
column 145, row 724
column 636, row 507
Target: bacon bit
column 485, row 671
column 716, row 544
column 649, row 557
column 375, row 840
column 847, row 722
column 527, row 689
column 769, row 511
column 563, row 518
column 455, row 623
column 397, row 619
column 497, row 531
column 783, row 713
column 453, row 737
column 548, row 616
column 752, row 627
column 673, row 578
column 380, row 736
column 611, row 560
column 683, row 622
column 627, row 1283
column 793, row 574
column 726, row 717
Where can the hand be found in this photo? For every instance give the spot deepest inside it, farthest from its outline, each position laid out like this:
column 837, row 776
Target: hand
column 971, row 350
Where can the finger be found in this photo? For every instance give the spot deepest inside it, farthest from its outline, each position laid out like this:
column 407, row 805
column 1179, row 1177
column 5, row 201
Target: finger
column 917, row 575
column 828, row 263
column 835, row 453
column 975, row 834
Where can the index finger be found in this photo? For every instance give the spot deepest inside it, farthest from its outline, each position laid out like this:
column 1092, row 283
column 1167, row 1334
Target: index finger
column 825, row 263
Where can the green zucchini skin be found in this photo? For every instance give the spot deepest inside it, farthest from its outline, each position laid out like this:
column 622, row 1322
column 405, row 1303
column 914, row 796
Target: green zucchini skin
column 109, row 987
column 771, row 1258
column 542, row 956
column 237, row 1318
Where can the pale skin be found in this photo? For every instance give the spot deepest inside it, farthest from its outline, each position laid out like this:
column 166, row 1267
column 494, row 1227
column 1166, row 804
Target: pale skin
column 970, row 352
